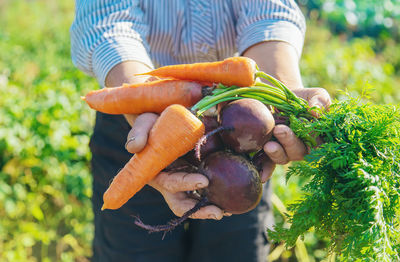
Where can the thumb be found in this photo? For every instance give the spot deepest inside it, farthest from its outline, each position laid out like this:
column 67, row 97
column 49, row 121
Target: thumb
column 316, row 97
column 320, row 102
column 317, row 101
column 137, row 137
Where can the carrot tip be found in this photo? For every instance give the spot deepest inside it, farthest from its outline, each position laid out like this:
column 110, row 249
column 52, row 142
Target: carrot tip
column 142, row 74
column 103, row 207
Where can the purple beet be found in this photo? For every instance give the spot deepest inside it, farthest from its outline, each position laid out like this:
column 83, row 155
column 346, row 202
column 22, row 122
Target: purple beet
column 248, row 125
column 259, row 159
column 234, row 186
column 208, row 144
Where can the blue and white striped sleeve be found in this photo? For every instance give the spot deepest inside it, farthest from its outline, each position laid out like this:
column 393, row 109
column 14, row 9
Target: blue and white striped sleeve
column 105, row 33
column 266, row 20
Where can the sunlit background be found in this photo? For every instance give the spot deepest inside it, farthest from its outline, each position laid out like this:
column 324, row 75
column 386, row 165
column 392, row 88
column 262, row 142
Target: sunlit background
column 45, row 181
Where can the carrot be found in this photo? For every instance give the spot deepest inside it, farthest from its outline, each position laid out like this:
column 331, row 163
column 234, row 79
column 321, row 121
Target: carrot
column 152, row 96
column 239, row 71
column 174, row 134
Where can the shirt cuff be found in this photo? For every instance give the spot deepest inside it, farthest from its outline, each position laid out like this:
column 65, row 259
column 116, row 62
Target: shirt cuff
column 114, row 51
column 271, row 31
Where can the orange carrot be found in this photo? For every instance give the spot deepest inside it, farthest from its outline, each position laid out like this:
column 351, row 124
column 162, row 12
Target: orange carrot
column 174, row 134
column 239, row 71
column 152, row 96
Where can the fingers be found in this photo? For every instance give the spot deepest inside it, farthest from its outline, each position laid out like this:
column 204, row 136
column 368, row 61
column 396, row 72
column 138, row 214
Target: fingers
column 289, row 148
column 137, row 137
column 267, row 170
column 130, row 118
column 181, row 181
column 320, row 100
column 293, row 146
column 209, row 212
column 180, row 204
column 173, row 187
column 276, row 152
column 316, row 97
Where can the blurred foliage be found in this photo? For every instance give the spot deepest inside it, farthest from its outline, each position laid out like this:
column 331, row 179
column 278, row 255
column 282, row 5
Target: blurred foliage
column 358, row 17
column 45, row 184
column 337, row 63
column 45, row 181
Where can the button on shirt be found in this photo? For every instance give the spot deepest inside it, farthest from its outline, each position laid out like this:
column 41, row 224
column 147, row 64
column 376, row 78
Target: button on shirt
column 165, row 32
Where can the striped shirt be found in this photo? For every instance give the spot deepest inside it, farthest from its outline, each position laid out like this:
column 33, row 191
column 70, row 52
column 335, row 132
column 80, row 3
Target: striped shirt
column 164, row 32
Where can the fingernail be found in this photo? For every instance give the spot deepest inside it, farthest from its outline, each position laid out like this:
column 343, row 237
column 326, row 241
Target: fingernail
column 281, row 133
column 212, row 216
column 128, row 141
column 271, row 150
column 318, row 105
column 200, row 185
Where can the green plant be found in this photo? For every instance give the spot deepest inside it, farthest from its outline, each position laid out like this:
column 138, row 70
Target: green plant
column 353, row 196
column 337, row 64
column 45, row 184
column 356, row 17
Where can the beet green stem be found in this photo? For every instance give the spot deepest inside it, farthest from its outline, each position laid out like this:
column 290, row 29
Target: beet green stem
column 276, row 95
column 279, row 84
column 270, row 95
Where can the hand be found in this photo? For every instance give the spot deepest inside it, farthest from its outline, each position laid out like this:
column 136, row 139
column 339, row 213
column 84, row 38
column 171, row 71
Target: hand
column 289, row 147
column 172, row 186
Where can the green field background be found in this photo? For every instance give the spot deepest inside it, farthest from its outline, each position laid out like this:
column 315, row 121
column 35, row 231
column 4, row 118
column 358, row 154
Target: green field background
column 45, row 181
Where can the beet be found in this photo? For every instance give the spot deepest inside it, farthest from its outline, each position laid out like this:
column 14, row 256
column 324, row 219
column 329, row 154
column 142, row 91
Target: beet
column 208, row 144
column 235, row 185
column 248, row 125
column 259, row 159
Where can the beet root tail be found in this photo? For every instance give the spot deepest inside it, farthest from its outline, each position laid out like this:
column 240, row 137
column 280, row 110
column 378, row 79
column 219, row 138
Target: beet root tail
column 204, row 138
column 172, row 224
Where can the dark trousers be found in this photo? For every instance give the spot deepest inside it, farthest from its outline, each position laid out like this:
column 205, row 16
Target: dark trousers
column 235, row 238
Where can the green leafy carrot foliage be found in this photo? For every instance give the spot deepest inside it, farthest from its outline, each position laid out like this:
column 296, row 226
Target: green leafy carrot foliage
column 352, row 197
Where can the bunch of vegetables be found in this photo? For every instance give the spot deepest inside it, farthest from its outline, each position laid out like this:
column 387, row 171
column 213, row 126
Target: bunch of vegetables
column 354, row 189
